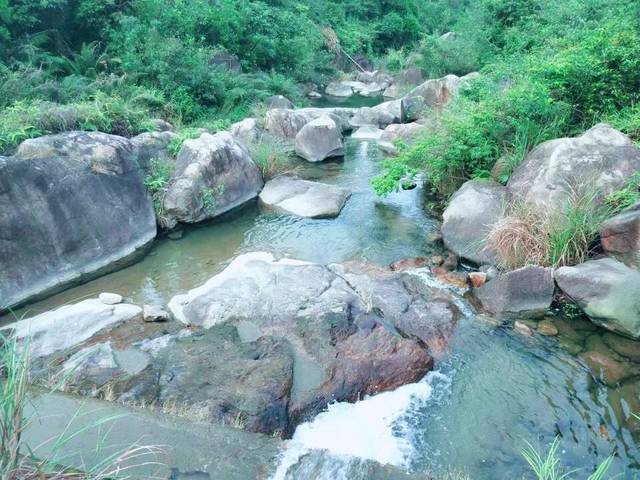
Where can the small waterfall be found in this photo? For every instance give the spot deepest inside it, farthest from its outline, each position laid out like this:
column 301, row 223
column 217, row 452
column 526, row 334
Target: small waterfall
column 375, row 428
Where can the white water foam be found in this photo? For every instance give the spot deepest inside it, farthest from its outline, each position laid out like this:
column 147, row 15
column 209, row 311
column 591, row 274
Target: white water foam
column 370, row 429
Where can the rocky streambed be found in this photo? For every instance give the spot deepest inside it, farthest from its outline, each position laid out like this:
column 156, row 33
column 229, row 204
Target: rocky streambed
column 279, row 320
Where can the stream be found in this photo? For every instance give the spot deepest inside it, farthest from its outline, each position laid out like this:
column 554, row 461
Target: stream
column 493, row 392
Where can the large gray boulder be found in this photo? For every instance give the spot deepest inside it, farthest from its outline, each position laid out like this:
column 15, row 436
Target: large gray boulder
column 471, row 213
column 72, row 206
column 438, row 92
column 403, row 132
column 278, row 101
column 246, row 131
column 347, row 340
column 153, row 147
column 608, row 291
column 339, row 89
column 287, row 123
column 620, row 236
column 304, row 198
column 213, row 175
column 404, row 82
column 528, row 290
column 319, row 139
column 70, row 325
column 599, row 161
column 381, row 115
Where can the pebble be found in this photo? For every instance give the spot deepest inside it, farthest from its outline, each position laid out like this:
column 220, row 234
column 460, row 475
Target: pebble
column 522, row 329
column 110, row 298
column 154, row 313
column 547, row 328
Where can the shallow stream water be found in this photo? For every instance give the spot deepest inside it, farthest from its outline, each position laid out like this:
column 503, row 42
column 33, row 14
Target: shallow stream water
column 493, row 392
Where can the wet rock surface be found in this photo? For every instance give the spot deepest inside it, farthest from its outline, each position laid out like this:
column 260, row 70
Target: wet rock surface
column 528, row 291
column 267, row 344
column 304, row 198
column 353, row 329
column 607, row 291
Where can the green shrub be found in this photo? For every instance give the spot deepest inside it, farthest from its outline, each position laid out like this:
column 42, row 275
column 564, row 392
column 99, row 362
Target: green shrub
column 273, row 156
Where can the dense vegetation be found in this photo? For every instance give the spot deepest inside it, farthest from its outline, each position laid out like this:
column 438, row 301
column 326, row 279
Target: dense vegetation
column 111, row 65
column 550, row 69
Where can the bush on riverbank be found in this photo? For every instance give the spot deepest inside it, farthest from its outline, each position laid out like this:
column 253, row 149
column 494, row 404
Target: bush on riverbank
column 545, row 81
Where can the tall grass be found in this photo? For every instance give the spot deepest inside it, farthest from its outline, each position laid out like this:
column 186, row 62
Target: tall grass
column 529, row 235
column 548, row 466
column 14, row 367
column 18, row 461
column 273, row 156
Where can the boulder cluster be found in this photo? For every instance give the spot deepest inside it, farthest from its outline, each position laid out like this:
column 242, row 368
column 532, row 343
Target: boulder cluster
column 607, row 286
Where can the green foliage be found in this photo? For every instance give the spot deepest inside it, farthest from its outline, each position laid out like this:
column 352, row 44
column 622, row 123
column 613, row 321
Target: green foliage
column 111, row 114
column 533, row 88
column 184, row 134
column 548, row 466
column 272, row 156
column 157, row 180
column 626, row 196
column 210, row 197
column 14, row 367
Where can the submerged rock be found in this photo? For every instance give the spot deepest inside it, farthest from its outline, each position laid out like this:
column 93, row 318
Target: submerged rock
column 528, row 290
column 605, row 368
column 599, row 161
column 471, row 213
column 72, row 206
column 214, row 174
column 304, row 198
column 607, row 290
column 321, row 464
column 319, row 139
column 620, row 236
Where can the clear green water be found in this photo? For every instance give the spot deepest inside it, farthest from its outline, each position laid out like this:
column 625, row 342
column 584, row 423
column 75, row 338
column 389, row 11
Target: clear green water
column 501, row 389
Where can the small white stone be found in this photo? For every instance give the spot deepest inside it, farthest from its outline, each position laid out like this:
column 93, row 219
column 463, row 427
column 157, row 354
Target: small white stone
column 110, row 298
column 154, row 313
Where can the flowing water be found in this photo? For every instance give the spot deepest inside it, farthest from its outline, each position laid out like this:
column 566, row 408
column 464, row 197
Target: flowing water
column 495, row 391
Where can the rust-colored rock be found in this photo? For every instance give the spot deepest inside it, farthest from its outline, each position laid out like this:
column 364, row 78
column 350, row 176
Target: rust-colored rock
column 477, row 279
column 409, row 263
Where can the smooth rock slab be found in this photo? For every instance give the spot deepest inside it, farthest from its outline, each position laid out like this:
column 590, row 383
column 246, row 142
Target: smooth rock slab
column 601, row 159
column 468, row 218
column 319, row 139
column 70, row 325
column 528, row 290
column 607, row 290
column 72, row 206
column 304, row 198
